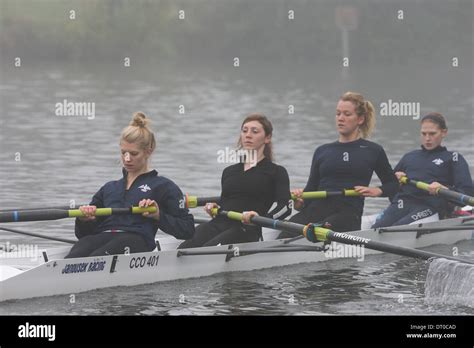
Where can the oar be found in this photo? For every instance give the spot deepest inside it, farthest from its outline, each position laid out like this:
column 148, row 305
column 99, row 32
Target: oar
column 195, row 201
column 56, row 214
column 38, row 235
column 61, row 207
column 230, row 252
column 449, row 194
column 320, row 234
column 326, row 194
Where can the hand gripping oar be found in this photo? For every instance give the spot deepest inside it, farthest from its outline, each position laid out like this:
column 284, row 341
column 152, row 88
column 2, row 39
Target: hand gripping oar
column 320, row 234
column 56, row 214
column 448, row 194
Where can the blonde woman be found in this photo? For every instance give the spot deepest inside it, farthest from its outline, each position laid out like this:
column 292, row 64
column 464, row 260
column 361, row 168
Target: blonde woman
column 139, row 186
column 347, row 163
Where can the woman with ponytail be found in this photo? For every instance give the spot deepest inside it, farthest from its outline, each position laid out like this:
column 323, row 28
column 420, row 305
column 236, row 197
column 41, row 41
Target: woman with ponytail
column 347, row 163
column 251, row 186
column 139, row 186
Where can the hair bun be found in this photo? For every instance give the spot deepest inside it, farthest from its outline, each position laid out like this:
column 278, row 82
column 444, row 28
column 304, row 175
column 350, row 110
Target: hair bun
column 139, row 120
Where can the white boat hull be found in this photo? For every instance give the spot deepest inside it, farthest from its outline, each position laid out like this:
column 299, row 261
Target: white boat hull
column 22, row 278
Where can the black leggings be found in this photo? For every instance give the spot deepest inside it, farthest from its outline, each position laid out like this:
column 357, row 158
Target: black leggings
column 108, row 243
column 221, row 232
column 339, row 216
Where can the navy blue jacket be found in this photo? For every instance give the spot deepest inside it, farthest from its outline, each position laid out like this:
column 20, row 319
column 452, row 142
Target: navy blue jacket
column 446, row 167
column 337, row 166
column 174, row 217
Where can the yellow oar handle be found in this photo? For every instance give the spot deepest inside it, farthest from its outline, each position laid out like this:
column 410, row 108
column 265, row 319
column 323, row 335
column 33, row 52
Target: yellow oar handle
column 418, row 184
column 457, row 197
column 111, row 211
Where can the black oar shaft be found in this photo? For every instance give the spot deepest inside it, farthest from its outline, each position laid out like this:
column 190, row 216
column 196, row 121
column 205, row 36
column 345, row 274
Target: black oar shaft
column 190, row 252
column 277, row 224
column 384, row 247
column 61, row 207
column 33, row 215
column 455, row 196
column 38, row 235
column 323, row 234
column 203, row 200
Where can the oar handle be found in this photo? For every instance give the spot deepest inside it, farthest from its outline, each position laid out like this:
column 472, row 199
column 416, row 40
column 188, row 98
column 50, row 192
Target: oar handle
column 113, row 211
column 446, row 193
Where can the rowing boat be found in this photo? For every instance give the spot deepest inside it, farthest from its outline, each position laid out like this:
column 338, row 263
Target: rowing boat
column 47, row 273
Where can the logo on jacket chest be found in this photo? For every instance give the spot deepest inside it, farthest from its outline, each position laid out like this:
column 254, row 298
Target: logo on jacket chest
column 144, row 188
column 438, row 161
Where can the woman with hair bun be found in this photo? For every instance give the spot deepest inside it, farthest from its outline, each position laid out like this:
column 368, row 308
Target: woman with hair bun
column 433, row 164
column 347, row 163
column 139, row 186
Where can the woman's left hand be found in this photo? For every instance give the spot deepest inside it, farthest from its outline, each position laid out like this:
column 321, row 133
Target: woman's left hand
column 434, row 187
column 368, row 191
column 150, row 203
column 247, row 215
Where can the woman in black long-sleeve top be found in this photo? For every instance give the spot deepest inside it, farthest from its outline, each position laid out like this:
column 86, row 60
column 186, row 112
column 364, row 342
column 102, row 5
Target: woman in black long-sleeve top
column 251, row 186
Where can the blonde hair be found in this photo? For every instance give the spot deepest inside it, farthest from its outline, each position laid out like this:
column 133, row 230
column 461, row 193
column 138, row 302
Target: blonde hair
column 363, row 108
column 138, row 132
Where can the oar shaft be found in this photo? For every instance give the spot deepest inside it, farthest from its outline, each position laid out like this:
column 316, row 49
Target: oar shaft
column 56, row 214
column 324, row 234
column 70, row 241
column 380, row 246
column 326, row 194
column 194, row 201
column 61, row 207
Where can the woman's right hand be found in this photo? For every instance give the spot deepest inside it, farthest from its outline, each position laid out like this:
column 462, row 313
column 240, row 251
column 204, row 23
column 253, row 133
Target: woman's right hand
column 299, row 202
column 208, row 208
column 88, row 211
column 400, row 175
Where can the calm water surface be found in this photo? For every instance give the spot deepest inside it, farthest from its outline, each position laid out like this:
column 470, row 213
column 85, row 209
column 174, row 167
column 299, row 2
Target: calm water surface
column 64, row 158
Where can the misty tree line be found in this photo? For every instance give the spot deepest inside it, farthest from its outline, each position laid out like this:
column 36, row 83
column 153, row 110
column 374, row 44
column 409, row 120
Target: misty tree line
column 219, row 30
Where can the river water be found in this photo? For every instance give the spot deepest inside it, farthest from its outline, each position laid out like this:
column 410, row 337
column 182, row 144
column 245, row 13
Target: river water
column 49, row 160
